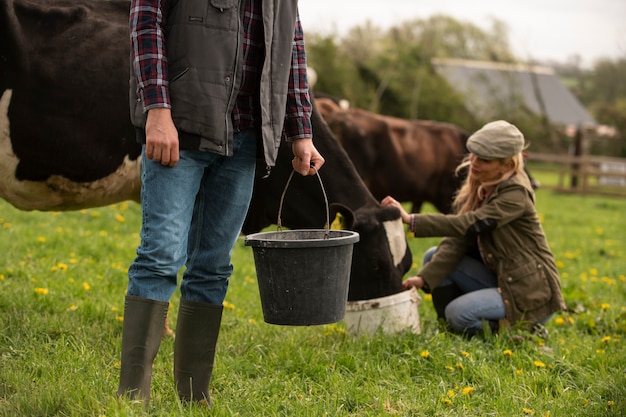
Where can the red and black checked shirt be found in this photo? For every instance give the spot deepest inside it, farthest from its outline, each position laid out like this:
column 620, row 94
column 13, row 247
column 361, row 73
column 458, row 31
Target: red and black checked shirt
column 147, row 20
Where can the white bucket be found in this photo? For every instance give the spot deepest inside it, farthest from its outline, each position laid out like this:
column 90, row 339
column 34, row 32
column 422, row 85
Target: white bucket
column 393, row 313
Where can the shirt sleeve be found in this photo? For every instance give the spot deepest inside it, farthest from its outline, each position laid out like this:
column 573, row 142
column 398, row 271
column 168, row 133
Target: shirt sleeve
column 298, row 112
column 148, row 55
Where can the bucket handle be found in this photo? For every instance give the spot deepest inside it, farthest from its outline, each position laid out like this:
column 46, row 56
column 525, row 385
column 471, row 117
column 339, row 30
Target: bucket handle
column 282, row 198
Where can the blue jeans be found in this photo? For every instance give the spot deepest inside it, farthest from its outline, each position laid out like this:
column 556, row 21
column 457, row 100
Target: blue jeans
column 192, row 215
column 480, row 301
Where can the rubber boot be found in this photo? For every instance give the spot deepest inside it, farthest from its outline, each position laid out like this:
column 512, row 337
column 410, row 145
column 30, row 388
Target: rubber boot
column 141, row 337
column 442, row 296
column 197, row 330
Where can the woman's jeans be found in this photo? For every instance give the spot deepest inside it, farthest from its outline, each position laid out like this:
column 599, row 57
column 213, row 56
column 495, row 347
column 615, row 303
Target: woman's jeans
column 192, row 215
column 480, row 302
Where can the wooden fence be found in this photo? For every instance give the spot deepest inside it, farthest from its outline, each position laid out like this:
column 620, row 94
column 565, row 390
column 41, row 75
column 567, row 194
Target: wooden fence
column 582, row 174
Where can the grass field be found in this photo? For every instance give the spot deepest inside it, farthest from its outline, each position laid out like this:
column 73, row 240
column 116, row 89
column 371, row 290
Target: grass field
column 62, row 284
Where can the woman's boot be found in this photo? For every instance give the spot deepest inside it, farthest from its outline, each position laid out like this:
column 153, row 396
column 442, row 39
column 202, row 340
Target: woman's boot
column 197, row 329
column 141, row 337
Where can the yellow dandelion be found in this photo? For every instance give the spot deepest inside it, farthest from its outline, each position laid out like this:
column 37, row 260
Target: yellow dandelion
column 115, row 309
column 249, row 279
column 600, row 351
column 72, row 308
column 460, row 366
column 41, row 291
column 424, row 354
column 519, row 372
column 73, row 261
column 560, row 264
column 451, row 393
column 449, row 368
column 585, row 402
column 606, row 339
column 547, row 414
column 507, row 352
column 228, row 305
column 540, row 364
column 120, row 218
column 428, row 297
column 605, row 306
column 446, row 401
column 41, row 239
column 611, row 403
column 103, row 233
column 119, row 318
column 467, row 390
column 528, row 411
column 62, row 266
column 86, row 286
column 117, row 364
column 570, row 320
column 94, row 213
column 251, row 321
column 593, row 271
column 559, row 321
column 466, row 354
column 1, row 277
column 6, row 225
column 599, row 231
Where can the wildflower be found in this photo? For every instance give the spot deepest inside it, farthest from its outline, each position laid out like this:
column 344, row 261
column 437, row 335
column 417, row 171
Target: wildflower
column 428, row 297
column 86, row 286
column 451, row 393
column 446, row 401
column 1, row 277
column 95, row 213
column 460, row 366
column 249, row 279
column 119, row 318
column 559, row 321
column 606, row 339
column 518, row 372
column 593, row 271
column 62, row 266
column 120, row 218
column 72, row 308
column 73, row 261
column 528, row 411
column 449, row 368
column 41, row 291
column 507, row 352
column 251, row 321
column 6, row 225
column 467, row 390
column 424, row 354
column 605, row 306
column 466, row 354
column 41, row 239
column 611, row 403
column 540, row 364
column 228, row 305
column 560, row 264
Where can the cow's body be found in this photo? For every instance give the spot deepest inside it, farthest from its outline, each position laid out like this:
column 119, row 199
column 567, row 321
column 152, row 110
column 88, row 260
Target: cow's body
column 66, row 141
column 412, row 160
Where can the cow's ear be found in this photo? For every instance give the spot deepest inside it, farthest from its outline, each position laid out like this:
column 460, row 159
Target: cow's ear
column 347, row 215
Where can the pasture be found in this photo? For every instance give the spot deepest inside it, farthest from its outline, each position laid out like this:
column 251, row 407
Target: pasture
column 62, row 284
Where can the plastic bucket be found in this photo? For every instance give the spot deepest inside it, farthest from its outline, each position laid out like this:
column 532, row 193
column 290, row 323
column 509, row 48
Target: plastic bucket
column 392, row 314
column 303, row 275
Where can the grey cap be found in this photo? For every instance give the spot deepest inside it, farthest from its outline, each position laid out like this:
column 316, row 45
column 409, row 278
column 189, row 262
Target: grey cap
column 495, row 140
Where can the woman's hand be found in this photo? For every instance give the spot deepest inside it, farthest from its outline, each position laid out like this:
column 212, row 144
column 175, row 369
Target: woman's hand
column 417, row 282
column 390, row 201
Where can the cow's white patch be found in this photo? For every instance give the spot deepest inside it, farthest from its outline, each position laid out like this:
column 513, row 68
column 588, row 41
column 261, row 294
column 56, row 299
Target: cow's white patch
column 58, row 193
column 396, row 239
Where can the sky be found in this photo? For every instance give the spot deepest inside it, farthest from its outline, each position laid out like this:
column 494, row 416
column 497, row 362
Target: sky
column 540, row 30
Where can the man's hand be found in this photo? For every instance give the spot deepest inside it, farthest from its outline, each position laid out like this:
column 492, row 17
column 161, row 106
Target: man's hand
column 417, row 282
column 161, row 137
column 307, row 160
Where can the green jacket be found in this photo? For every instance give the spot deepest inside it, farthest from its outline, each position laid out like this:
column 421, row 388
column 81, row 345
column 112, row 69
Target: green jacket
column 513, row 245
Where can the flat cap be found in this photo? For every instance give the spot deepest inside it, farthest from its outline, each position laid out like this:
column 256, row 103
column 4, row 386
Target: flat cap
column 496, row 140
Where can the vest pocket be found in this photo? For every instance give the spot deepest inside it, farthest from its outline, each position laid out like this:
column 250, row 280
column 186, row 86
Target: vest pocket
column 222, row 14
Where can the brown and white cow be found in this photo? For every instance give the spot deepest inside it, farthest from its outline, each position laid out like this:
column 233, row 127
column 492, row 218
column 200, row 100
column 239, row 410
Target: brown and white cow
column 66, row 141
column 412, row 160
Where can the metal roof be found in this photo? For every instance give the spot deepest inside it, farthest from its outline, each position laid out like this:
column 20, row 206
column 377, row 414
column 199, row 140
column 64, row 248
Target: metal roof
column 487, row 86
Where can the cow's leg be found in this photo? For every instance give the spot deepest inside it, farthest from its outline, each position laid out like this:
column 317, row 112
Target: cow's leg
column 141, row 338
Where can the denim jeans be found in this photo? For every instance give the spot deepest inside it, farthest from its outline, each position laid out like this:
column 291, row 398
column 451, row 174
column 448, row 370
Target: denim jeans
column 192, row 215
column 480, row 301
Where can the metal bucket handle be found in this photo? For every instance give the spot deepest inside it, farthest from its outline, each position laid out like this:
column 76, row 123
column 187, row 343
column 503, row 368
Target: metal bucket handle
column 282, row 198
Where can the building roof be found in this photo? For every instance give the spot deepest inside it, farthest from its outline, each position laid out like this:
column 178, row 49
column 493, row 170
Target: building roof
column 489, row 87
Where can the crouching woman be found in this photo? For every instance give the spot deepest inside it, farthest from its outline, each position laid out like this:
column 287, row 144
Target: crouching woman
column 494, row 264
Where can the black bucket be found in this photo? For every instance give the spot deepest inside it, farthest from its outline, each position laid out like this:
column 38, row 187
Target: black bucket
column 303, row 275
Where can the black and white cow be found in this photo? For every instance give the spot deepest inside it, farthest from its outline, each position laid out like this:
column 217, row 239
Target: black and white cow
column 66, row 141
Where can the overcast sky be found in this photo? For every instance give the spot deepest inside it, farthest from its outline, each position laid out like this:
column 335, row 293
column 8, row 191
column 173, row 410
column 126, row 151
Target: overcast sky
column 538, row 29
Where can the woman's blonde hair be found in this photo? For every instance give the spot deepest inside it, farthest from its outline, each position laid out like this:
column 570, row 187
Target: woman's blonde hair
column 472, row 191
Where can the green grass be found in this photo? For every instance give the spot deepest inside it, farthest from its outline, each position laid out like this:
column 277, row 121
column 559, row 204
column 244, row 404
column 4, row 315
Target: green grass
column 62, row 285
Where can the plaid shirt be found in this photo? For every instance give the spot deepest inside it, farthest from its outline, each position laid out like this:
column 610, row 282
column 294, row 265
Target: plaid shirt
column 147, row 21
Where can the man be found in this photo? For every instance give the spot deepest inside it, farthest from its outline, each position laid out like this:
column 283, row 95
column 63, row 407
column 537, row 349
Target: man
column 211, row 82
